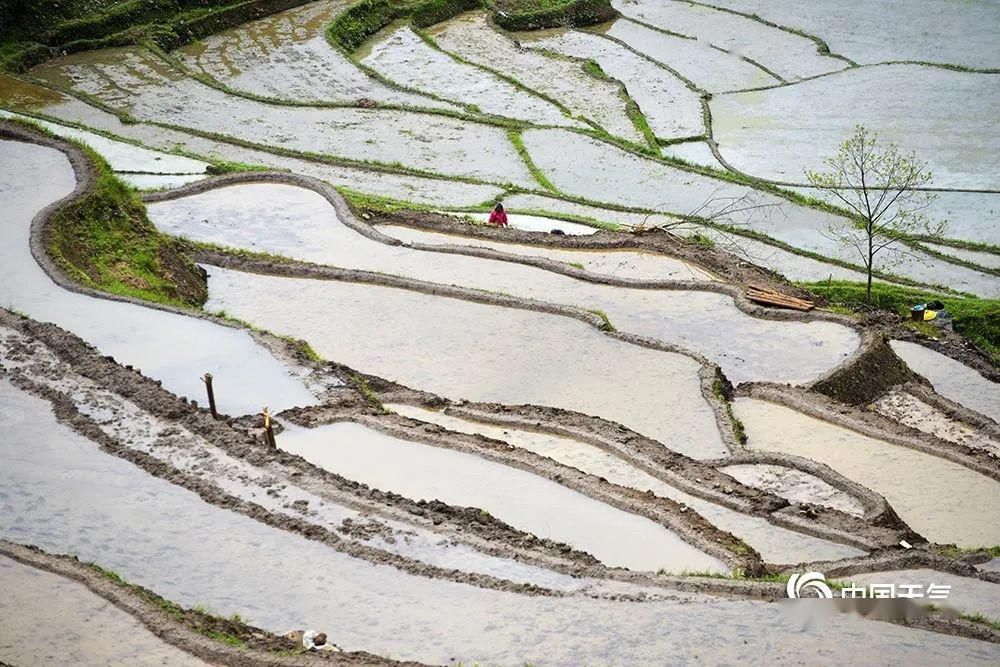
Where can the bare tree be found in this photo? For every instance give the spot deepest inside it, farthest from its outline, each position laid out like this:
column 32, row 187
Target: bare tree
column 724, row 210
column 881, row 187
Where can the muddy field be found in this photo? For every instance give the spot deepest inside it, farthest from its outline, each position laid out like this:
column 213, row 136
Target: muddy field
column 575, row 440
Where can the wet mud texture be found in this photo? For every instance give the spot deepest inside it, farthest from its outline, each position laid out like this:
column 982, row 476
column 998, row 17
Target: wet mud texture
column 186, row 628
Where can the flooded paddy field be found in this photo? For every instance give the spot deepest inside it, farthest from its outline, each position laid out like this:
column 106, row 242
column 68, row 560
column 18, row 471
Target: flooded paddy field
column 775, row 544
column 470, row 37
column 580, row 485
column 104, row 509
column 493, row 353
column 623, row 263
column 286, row 56
column 318, row 236
column 957, row 145
column 951, row 379
column 672, row 109
column 403, row 57
column 930, row 32
column 90, row 629
column 415, row 189
column 135, row 81
column 616, row 538
column 788, row 55
column 941, row 500
column 710, row 69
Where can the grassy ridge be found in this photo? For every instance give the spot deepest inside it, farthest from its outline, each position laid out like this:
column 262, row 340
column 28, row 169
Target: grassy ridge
column 105, row 240
column 976, row 319
column 35, row 30
column 537, row 14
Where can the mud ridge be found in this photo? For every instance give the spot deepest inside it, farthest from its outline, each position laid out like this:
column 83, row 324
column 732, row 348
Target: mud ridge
column 699, row 478
column 871, row 371
column 181, row 631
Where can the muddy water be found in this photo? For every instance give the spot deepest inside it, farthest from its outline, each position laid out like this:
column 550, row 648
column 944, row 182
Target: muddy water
column 37, row 606
column 672, row 109
column 910, row 410
column 480, row 352
column 710, row 69
column 61, row 493
column 776, row 545
column 286, row 56
column 19, row 94
column 941, row 500
column 135, row 81
column 299, row 223
column 952, row 379
column 173, row 348
column 521, row 499
column 403, row 57
column 623, row 263
column 471, row 37
column 795, row 486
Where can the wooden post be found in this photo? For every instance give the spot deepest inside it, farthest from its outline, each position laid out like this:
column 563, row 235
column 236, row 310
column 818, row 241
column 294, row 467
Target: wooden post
column 268, row 430
column 207, row 379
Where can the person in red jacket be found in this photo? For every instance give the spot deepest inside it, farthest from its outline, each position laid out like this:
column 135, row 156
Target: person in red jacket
column 498, row 218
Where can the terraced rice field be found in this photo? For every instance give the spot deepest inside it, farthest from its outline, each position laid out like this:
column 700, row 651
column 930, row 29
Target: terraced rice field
column 580, row 439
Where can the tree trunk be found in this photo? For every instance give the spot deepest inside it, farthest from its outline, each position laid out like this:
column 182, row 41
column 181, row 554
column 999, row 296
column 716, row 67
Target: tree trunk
column 870, row 267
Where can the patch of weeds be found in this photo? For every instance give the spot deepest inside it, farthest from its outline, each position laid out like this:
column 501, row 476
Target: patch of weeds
column 952, row 551
column 702, row 240
column 303, row 347
column 982, row 619
column 576, row 265
column 225, row 167
column 594, row 69
column 225, row 638
column 517, row 15
column 360, row 384
column 638, row 119
column 739, row 431
column 606, row 324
